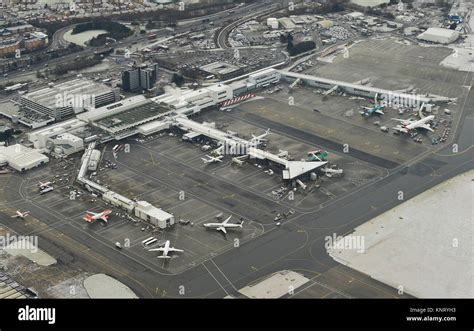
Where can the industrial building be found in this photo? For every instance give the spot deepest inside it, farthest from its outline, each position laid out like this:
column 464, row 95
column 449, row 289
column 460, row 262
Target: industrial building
column 67, row 99
column 325, row 24
column 21, row 158
column 439, row 35
column 153, row 215
column 286, row 23
column 272, row 22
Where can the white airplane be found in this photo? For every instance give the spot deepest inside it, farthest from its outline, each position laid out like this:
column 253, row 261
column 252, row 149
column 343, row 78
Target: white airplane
column 212, row 159
column 44, row 185
column 166, row 249
column 20, row 214
column 222, row 226
column 409, row 125
column 91, row 217
column 260, row 139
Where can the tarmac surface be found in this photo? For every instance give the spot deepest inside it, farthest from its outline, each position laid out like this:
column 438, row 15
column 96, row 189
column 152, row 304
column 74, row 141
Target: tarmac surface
column 214, row 265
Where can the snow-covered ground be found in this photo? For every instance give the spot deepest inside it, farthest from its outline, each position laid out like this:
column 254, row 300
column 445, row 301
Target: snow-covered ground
column 425, row 246
column 461, row 59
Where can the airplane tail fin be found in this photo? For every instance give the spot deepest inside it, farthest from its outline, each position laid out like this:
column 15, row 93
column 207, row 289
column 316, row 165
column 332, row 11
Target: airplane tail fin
column 241, row 223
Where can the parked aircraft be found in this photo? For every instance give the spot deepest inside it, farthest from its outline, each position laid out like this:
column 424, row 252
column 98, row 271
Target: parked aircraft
column 212, row 159
column 261, row 138
column 376, row 109
column 91, row 217
column 223, row 225
column 44, row 185
column 20, row 214
column 166, row 249
column 372, row 110
column 409, row 125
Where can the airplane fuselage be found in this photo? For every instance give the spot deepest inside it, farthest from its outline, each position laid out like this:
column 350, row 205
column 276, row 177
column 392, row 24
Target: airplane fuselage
column 419, row 123
column 219, row 225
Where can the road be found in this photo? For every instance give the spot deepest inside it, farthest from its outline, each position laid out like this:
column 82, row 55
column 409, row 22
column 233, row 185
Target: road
column 222, row 36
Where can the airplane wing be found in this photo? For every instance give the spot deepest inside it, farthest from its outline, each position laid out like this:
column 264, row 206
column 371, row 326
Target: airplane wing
column 218, row 150
column 404, row 122
column 104, row 218
column 172, row 249
column 227, row 220
column 399, row 128
column 427, row 127
column 92, row 213
column 161, row 249
column 221, row 228
column 378, row 111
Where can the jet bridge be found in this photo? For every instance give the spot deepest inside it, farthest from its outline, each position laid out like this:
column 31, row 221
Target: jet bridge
column 291, row 169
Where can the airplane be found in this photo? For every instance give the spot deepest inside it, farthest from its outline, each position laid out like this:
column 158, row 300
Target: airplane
column 90, row 217
column 372, row 110
column 166, row 249
column 409, row 125
column 20, row 214
column 260, row 139
column 222, row 226
column 44, row 185
column 377, row 109
column 212, row 159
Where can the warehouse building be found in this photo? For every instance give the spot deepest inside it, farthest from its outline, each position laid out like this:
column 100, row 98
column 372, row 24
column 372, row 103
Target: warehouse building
column 153, row 215
column 272, row 22
column 325, row 24
column 21, row 158
column 439, row 35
